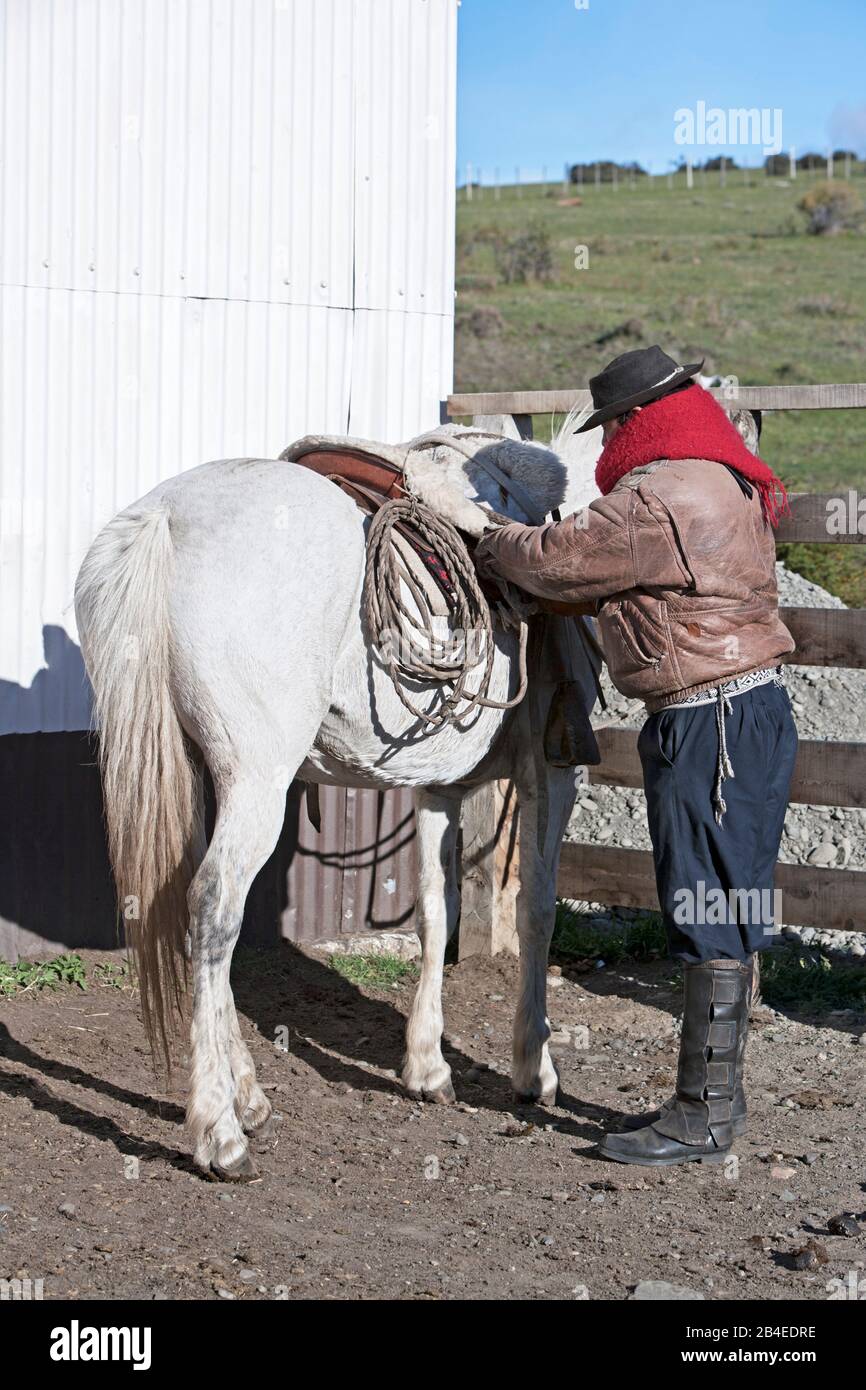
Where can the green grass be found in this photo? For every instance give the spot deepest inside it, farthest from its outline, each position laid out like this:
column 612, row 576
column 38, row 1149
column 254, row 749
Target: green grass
column 808, row 982
column 792, row 978
column 726, row 274
column 576, row 939
column 378, row 972
column 841, row 569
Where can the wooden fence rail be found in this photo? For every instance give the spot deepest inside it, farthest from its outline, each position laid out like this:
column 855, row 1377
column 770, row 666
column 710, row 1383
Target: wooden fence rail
column 850, row 395
column 827, row 773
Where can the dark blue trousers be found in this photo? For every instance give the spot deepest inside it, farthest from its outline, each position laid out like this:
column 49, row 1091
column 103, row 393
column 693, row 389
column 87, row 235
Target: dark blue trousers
column 715, row 882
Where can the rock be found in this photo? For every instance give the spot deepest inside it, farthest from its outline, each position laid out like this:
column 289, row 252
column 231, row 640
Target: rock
column 822, row 854
column 788, row 1195
column 809, row 1256
column 760, row 1242
column 67, row 1209
column 843, row 1225
column 658, row 1290
column 783, row 1174
column 513, row 1129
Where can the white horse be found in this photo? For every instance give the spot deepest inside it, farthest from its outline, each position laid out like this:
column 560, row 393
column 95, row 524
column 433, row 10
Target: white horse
column 220, row 622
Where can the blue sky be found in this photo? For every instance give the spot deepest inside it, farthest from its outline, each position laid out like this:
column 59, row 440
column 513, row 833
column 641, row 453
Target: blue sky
column 542, row 82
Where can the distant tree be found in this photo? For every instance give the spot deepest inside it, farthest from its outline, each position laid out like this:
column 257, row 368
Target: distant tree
column 715, row 164
column 812, row 161
column 585, row 173
column 845, row 154
column 777, row 165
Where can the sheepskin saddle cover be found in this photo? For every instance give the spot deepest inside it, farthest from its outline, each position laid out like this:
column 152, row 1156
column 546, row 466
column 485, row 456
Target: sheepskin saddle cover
column 450, row 469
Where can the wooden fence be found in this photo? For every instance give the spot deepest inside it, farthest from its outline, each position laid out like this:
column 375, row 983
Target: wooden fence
column 827, row 773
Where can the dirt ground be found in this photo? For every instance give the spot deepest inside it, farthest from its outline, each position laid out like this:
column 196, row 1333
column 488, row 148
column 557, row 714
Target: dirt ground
column 365, row 1193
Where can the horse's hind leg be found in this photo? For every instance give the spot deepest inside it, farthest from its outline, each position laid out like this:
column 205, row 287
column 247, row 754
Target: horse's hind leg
column 437, row 816
column 252, row 1106
column 222, row 1083
column 546, row 799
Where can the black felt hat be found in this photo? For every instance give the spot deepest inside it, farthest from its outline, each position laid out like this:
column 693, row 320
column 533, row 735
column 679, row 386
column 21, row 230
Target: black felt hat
column 633, row 379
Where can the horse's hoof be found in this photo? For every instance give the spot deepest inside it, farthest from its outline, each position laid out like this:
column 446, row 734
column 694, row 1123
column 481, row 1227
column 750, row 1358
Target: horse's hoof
column 546, row 1098
column 264, row 1134
column 442, row 1095
column 241, row 1170
column 260, row 1130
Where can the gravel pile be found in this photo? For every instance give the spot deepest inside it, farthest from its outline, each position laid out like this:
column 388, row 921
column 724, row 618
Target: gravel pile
column 828, row 703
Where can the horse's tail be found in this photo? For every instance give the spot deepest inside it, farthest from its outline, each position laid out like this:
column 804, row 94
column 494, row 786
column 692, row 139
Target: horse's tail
column 151, row 789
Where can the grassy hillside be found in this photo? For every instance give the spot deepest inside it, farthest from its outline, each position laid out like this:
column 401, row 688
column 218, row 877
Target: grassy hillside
column 726, row 274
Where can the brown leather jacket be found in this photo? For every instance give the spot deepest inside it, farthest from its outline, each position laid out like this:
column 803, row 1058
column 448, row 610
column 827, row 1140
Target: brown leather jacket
column 680, row 565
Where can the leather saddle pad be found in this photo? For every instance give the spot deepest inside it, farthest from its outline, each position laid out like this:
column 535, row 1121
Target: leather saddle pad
column 365, row 470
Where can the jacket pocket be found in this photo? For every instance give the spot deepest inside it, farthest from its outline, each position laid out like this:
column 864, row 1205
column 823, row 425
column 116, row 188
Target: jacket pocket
column 636, row 642
column 637, row 650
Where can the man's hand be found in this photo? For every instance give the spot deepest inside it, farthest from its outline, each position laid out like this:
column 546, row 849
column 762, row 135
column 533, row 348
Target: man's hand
column 496, row 518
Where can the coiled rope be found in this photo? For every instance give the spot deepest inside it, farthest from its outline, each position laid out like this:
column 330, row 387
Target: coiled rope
column 405, row 639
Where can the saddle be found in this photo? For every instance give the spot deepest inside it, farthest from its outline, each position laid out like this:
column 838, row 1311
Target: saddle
column 371, row 478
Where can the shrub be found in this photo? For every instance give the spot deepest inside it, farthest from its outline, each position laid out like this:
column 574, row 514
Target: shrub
column 484, row 320
column 528, row 256
column 830, row 207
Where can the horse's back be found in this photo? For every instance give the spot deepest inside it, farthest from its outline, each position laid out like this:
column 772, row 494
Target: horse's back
column 268, row 561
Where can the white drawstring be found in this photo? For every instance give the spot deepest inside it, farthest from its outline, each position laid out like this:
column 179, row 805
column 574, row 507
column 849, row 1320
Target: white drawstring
column 724, row 767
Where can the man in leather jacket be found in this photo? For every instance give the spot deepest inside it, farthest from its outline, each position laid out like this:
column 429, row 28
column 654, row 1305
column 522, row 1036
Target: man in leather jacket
column 678, row 556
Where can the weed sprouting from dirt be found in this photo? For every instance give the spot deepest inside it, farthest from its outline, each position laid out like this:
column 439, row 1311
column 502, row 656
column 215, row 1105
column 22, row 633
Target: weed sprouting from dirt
column 42, row 974
column 114, row 976
column 29, row 976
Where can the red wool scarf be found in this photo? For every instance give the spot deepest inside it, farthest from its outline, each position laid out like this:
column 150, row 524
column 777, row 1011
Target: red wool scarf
column 688, row 424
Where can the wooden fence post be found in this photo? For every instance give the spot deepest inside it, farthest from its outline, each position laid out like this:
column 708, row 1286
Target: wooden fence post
column 488, row 922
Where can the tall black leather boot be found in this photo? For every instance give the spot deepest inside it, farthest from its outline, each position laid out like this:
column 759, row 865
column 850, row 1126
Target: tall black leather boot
column 738, row 1104
column 698, row 1124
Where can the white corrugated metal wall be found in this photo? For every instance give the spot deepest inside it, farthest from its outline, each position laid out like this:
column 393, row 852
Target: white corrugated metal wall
column 224, row 223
